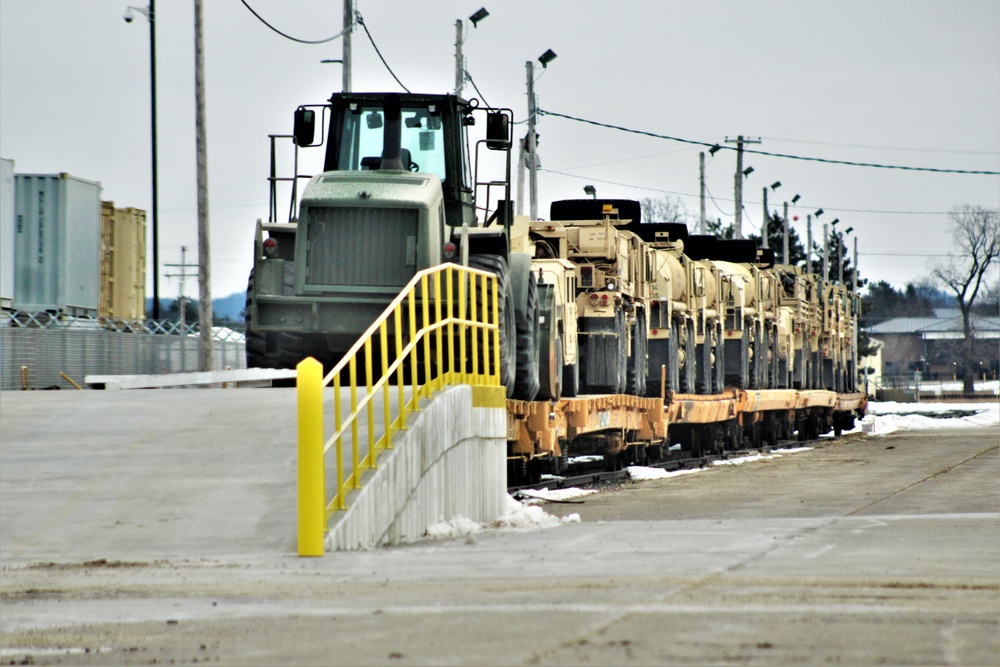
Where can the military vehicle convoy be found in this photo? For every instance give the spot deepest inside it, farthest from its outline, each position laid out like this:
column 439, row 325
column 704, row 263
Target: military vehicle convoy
column 593, row 302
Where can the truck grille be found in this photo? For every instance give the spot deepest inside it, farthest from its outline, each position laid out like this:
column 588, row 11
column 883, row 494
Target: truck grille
column 362, row 246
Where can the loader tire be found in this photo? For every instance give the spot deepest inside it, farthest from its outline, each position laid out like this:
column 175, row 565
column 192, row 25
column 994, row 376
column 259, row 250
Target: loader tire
column 524, row 286
column 272, row 349
column 497, row 265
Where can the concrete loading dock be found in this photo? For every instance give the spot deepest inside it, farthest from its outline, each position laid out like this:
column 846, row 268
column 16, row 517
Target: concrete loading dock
column 860, row 551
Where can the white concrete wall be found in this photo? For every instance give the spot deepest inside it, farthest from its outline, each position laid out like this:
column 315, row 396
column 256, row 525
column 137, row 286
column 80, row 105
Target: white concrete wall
column 451, row 461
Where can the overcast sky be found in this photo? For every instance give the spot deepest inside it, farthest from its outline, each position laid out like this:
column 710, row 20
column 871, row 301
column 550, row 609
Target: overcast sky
column 896, row 83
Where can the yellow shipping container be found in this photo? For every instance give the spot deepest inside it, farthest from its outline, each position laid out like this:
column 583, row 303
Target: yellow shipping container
column 123, row 263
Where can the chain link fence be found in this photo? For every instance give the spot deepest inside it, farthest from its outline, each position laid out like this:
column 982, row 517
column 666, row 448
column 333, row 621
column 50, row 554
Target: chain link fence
column 49, row 346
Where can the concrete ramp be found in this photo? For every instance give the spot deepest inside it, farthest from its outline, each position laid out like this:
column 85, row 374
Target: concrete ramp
column 451, row 461
column 204, row 473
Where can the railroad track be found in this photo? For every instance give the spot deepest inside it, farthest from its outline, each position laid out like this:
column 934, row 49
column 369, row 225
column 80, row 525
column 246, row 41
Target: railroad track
column 593, row 477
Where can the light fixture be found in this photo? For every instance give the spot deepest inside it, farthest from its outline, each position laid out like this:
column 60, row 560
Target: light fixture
column 835, row 221
column 775, row 185
column 748, row 171
column 714, row 149
column 849, row 230
column 796, row 198
column 590, row 190
column 547, row 57
column 478, row 16
column 818, row 212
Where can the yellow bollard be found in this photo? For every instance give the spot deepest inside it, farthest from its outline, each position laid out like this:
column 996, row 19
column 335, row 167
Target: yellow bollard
column 312, row 474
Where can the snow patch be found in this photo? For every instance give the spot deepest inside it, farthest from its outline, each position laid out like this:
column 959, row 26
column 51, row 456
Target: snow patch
column 888, row 417
column 643, row 473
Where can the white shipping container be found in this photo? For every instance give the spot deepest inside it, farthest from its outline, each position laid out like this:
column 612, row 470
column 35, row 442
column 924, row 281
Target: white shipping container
column 57, row 244
column 6, row 233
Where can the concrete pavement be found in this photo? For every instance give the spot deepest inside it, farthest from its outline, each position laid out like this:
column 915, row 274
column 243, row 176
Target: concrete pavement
column 857, row 552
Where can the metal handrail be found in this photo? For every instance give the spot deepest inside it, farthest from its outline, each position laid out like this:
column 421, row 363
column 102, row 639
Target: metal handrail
column 447, row 315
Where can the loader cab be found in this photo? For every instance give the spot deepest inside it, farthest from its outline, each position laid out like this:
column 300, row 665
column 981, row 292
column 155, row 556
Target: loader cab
column 433, row 139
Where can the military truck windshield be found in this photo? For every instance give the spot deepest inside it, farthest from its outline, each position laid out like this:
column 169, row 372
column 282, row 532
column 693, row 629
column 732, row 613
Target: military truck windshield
column 422, row 140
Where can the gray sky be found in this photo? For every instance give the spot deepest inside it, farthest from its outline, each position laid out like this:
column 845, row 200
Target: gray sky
column 890, row 82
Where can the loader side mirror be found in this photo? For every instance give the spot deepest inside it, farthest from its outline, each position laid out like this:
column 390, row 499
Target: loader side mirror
column 497, row 131
column 305, row 126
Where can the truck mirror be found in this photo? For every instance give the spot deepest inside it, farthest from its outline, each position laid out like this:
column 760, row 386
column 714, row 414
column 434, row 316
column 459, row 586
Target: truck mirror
column 497, row 131
column 305, row 126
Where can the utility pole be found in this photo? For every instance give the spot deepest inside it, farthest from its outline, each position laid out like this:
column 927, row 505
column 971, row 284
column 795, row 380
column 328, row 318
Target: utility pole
column 784, row 236
column 182, row 293
column 532, row 157
column 840, row 258
column 738, row 189
column 826, row 253
column 205, row 361
column 809, row 243
column 459, row 62
column 701, row 180
column 766, row 226
column 182, row 302
column 348, row 29
column 521, row 157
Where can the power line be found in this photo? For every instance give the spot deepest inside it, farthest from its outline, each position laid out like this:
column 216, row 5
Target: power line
column 689, row 194
column 768, row 153
column 473, row 82
column 287, row 36
column 358, row 18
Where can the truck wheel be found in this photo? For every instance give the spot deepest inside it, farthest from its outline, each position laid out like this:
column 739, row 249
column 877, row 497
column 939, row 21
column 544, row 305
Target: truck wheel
column 550, row 346
column 623, row 344
column 571, row 379
column 636, row 381
column 524, row 286
column 687, row 379
column 497, row 265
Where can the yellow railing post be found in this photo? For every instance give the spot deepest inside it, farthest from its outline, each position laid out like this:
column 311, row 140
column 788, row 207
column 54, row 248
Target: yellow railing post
column 312, row 473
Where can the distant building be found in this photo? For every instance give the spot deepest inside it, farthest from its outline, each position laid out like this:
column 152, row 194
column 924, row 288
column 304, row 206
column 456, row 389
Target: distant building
column 872, row 367
column 933, row 345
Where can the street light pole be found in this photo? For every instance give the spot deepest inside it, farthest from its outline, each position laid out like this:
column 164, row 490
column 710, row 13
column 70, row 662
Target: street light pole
column 156, row 194
column 150, row 14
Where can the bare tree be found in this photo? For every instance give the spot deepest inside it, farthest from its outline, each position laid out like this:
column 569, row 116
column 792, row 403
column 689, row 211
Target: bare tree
column 665, row 209
column 977, row 234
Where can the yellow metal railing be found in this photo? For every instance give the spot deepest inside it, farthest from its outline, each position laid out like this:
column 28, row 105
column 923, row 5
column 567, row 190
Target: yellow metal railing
column 450, row 310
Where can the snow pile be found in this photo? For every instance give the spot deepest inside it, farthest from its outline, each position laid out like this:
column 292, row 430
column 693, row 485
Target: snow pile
column 740, row 460
column 517, row 516
column 890, row 417
column 454, row 527
column 643, row 473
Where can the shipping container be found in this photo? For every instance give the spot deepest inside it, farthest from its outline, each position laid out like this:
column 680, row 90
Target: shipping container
column 6, row 233
column 57, row 244
column 123, row 263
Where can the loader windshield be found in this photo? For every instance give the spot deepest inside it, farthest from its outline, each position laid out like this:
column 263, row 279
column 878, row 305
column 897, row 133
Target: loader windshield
column 422, row 140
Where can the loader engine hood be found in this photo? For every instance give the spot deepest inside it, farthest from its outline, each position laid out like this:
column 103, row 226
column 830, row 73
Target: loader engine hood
column 365, row 230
